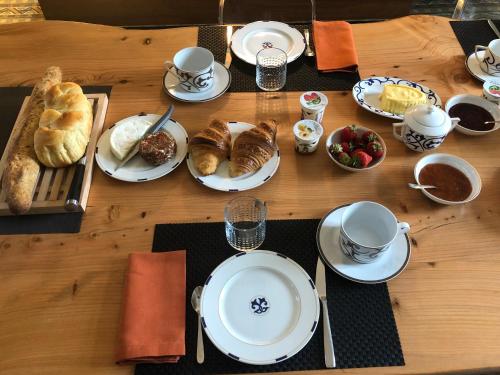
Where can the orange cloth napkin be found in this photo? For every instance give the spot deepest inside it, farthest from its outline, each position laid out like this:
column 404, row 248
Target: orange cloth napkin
column 334, row 44
column 154, row 309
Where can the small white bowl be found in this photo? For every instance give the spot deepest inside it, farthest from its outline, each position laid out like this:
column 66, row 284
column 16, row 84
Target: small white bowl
column 334, row 137
column 463, row 166
column 492, row 108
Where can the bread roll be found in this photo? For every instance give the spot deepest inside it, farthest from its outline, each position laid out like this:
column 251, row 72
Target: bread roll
column 21, row 172
column 65, row 126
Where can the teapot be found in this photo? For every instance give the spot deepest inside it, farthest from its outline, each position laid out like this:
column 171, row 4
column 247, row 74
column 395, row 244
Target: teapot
column 424, row 127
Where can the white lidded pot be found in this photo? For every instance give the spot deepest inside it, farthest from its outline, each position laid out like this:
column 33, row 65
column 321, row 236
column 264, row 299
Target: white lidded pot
column 424, row 127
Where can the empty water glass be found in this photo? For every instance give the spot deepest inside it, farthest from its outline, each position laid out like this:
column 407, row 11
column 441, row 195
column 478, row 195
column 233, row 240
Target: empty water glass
column 271, row 69
column 245, row 221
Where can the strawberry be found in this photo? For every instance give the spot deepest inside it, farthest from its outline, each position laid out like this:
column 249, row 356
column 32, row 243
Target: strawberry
column 348, row 133
column 369, row 136
column 360, row 159
column 344, row 158
column 358, row 143
column 336, row 149
column 346, row 146
column 375, row 149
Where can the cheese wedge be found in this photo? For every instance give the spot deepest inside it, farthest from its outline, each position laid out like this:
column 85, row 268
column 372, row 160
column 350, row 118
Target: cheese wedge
column 125, row 135
column 398, row 98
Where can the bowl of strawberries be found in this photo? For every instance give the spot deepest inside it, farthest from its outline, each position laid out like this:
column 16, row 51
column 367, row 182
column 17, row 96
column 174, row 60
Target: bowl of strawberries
column 356, row 148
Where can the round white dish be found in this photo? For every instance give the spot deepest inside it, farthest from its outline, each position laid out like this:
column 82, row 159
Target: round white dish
column 492, row 108
column 250, row 39
column 474, row 67
column 367, row 94
column 221, row 180
column 465, row 167
column 137, row 169
column 334, row 137
column 388, row 266
column 259, row 307
column 222, row 81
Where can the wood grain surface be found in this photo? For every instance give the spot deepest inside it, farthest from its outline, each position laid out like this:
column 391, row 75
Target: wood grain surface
column 60, row 294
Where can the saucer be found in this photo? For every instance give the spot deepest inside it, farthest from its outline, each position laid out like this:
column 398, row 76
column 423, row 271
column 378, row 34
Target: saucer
column 386, row 267
column 222, row 81
column 474, row 67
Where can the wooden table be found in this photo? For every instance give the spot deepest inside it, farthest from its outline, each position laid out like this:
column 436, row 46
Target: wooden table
column 60, row 294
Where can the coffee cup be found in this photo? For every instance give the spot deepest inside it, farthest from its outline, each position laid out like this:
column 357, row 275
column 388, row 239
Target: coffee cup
column 194, row 68
column 490, row 63
column 367, row 230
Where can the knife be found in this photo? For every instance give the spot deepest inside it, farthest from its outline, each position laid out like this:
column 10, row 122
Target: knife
column 152, row 129
column 327, row 333
column 494, row 28
column 75, row 190
column 229, row 59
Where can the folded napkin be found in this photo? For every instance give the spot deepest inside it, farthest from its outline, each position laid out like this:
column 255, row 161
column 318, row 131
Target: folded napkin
column 334, row 44
column 154, row 309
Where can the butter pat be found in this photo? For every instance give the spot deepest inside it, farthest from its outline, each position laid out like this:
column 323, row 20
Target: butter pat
column 398, row 98
column 126, row 134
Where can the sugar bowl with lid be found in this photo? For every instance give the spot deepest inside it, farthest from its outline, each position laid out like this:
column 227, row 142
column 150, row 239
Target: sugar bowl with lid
column 424, row 127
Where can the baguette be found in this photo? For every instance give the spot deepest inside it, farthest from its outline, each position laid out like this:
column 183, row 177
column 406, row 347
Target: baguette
column 21, row 173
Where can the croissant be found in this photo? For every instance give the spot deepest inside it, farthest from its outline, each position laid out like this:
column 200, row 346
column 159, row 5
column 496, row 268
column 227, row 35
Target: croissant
column 210, row 147
column 253, row 148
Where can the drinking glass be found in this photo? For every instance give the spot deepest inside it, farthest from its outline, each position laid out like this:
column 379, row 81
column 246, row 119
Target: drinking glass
column 271, row 69
column 245, row 222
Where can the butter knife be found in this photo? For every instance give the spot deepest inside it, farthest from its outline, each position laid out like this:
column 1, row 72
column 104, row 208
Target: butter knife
column 229, row 59
column 327, row 333
column 152, row 129
column 494, row 28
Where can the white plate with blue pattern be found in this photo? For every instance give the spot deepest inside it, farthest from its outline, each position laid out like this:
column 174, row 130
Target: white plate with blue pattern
column 137, row 169
column 259, row 307
column 221, row 180
column 367, row 94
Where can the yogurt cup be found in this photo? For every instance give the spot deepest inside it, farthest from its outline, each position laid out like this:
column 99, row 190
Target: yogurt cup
column 307, row 135
column 491, row 90
column 313, row 105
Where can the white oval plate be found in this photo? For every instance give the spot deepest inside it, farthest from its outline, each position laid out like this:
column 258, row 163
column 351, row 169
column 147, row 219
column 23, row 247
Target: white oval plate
column 137, row 169
column 221, row 180
column 259, row 307
column 250, row 39
column 367, row 92
column 390, row 264
column 222, row 81
column 474, row 67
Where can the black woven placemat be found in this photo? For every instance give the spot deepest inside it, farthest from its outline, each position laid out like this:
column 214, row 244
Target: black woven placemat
column 301, row 74
column 363, row 327
column 11, row 100
column 470, row 33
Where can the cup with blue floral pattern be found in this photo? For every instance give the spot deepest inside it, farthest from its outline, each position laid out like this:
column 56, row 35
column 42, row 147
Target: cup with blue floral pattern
column 367, row 230
column 193, row 67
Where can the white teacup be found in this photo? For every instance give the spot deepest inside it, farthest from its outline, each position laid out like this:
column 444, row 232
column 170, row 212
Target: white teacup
column 367, row 230
column 194, row 68
column 491, row 62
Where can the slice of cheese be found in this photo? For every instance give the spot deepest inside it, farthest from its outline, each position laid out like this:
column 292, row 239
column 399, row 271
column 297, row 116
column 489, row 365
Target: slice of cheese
column 125, row 135
column 398, row 98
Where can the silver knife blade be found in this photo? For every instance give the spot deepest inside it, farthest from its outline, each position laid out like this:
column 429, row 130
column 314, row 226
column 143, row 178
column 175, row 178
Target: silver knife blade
column 151, row 130
column 229, row 59
column 327, row 332
column 494, row 28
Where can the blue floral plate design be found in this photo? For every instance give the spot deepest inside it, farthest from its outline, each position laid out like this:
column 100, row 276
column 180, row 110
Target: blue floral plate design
column 367, row 94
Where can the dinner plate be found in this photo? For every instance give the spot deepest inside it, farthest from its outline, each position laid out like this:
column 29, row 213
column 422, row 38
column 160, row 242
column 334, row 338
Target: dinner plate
column 259, row 307
column 474, row 67
column 367, row 94
column 222, row 81
column 388, row 266
column 253, row 37
column 221, row 180
column 137, row 169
